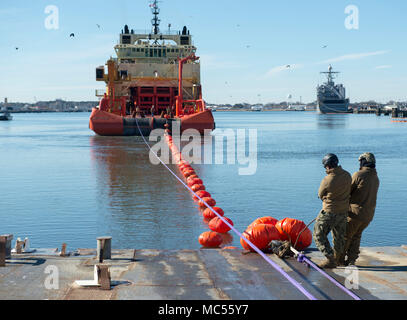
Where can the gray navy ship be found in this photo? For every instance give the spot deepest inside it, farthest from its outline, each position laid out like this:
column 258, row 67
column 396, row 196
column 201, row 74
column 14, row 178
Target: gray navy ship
column 331, row 97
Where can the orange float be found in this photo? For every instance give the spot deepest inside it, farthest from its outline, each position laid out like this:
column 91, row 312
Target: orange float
column 291, row 229
column 210, row 239
column 264, row 220
column 197, row 187
column 208, row 214
column 201, row 194
column 211, row 202
column 188, row 173
column 260, row 235
column 192, row 181
column 187, row 168
column 217, row 225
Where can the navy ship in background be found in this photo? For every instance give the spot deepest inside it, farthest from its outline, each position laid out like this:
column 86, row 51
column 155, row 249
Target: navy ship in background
column 331, row 97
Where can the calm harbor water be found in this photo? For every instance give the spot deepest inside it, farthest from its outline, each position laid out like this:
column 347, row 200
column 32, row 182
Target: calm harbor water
column 59, row 182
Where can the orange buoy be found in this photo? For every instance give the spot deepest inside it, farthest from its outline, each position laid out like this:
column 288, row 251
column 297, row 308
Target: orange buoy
column 194, row 176
column 260, row 235
column 217, row 225
column 264, row 220
column 291, row 229
column 188, row 173
column 197, row 187
column 183, row 165
column 210, row 239
column 208, row 214
column 201, row 194
column 192, row 181
column 211, row 202
column 187, row 167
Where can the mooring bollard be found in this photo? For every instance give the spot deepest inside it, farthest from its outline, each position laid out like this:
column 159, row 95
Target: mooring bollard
column 8, row 237
column 63, row 250
column 19, row 246
column 103, row 276
column 104, row 248
column 3, row 251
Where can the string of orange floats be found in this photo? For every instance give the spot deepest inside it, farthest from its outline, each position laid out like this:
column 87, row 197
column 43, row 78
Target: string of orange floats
column 213, row 238
column 260, row 232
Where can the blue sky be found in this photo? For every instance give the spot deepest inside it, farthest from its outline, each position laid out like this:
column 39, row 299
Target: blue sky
column 243, row 45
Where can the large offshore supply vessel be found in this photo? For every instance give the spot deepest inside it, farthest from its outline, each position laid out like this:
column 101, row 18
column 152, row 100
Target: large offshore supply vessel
column 154, row 81
column 331, row 97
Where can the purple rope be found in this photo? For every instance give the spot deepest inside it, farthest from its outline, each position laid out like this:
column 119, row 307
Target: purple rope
column 273, row 264
column 302, row 258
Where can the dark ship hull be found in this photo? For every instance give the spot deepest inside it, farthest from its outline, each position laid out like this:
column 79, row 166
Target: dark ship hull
column 332, row 106
column 5, row 117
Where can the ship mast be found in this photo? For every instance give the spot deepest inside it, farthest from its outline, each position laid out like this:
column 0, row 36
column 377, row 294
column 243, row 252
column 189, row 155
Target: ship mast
column 330, row 75
column 155, row 21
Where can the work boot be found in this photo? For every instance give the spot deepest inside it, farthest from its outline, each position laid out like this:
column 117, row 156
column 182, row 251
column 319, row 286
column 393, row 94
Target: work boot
column 329, row 263
column 350, row 262
column 341, row 261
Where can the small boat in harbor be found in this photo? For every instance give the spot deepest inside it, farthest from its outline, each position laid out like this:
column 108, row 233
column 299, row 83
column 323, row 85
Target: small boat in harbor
column 6, row 116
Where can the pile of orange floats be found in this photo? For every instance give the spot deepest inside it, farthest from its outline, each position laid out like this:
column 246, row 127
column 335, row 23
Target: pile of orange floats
column 215, row 237
column 266, row 229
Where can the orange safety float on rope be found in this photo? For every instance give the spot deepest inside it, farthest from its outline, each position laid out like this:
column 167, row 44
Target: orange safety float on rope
column 191, row 181
column 201, row 194
column 264, row 220
column 187, row 167
column 260, row 235
column 188, row 173
column 184, row 166
column 197, row 187
column 210, row 239
column 208, row 214
column 296, row 231
column 211, row 202
column 217, row 225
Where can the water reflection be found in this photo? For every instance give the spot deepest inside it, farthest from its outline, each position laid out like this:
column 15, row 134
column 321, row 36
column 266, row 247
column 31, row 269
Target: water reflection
column 141, row 202
column 332, row 121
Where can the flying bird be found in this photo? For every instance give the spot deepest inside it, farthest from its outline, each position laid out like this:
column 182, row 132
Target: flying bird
column 324, row 46
column 248, row 46
column 98, row 25
column 72, row 35
column 17, row 48
column 287, row 66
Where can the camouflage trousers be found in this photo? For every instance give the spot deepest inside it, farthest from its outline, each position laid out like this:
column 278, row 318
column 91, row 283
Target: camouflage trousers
column 353, row 236
column 325, row 223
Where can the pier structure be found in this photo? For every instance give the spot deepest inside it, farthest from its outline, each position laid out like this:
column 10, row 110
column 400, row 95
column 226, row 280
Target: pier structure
column 202, row 274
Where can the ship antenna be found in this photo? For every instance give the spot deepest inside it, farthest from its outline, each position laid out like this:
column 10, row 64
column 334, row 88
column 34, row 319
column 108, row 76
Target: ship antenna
column 155, row 21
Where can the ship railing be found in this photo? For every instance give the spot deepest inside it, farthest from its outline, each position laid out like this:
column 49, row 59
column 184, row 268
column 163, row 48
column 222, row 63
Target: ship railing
column 163, row 32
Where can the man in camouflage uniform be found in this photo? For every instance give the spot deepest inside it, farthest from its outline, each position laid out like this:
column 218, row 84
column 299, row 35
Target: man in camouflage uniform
column 334, row 191
column 365, row 185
